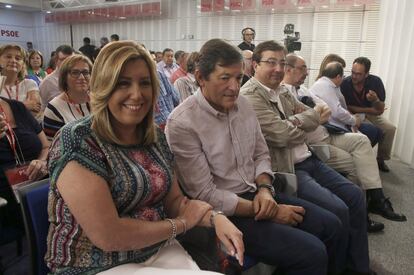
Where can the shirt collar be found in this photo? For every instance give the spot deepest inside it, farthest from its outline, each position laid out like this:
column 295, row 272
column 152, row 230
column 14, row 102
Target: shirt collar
column 202, row 101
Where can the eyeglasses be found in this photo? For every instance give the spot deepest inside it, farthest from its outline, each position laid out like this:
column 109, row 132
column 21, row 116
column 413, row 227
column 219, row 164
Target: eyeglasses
column 77, row 73
column 273, row 63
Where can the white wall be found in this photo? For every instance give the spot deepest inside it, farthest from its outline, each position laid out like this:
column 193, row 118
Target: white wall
column 21, row 22
column 347, row 31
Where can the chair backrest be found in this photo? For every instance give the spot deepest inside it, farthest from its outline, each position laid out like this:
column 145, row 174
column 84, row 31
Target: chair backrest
column 33, row 201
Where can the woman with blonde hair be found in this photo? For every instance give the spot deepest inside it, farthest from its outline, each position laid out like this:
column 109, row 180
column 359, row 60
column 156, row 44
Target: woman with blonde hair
column 332, row 57
column 35, row 67
column 73, row 101
column 12, row 62
column 115, row 206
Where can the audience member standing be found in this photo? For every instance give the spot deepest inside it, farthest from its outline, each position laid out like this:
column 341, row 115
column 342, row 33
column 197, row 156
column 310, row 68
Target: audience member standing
column 73, row 102
column 114, row 37
column 104, row 40
column 49, row 88
column 248, row 35
column 87, row 49
column 365, row 94
column 167, row 66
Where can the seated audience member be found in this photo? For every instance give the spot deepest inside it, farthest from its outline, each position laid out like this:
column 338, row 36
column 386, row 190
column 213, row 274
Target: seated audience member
column 351, row 154
column 35, row 67
column 181, row 60
column 327, row 88
column 49, row 88
column 365, row 94
column 284, row 122
column 115, row 206
column 51, row 66
column 167, row 65
column 73, row 103
column 187, row 85
column 87, row 49
column 168, row 99
column 221, row 162
column 328, row 59
column 21, row 141
column 248, row 66
column 12, row 62
column 158, row 57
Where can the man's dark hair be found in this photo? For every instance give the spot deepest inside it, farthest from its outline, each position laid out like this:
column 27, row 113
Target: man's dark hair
column 166, row 50
column 270, row 45
column 178, row 54
column 86, row 40
column 333, row 69
column 192, row 62
column 115, row 37
column 217, row 52
column 65, row 49
column 363, row 61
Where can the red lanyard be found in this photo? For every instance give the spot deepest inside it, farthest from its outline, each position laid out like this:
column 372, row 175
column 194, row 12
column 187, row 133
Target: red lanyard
column 77, row 106
column 9, row 91
column 10, row 135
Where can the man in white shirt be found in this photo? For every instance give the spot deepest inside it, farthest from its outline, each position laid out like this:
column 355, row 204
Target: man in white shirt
column 350, row 153
column 49, row 87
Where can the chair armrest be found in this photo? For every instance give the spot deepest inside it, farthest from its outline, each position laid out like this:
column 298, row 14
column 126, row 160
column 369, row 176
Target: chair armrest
column 285, row 183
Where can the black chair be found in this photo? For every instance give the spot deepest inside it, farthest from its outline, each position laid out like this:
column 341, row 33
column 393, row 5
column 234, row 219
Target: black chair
column 33, row 202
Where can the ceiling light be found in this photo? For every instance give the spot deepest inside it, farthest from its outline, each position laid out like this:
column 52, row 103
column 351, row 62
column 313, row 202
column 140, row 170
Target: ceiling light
column 8, row 6
column 48, row 12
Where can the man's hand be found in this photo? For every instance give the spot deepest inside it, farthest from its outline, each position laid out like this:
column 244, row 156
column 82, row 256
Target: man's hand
column 324, row 113
column 357, row 121
column 299, row 109
column 372, row 96
column 289, row 214
column 264, row 205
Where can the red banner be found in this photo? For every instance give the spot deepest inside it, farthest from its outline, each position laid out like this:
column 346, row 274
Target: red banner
column 235, row 4
column 345, row 2
column 249, row 4
column 283, row 4
column 321, row 3
column 268, row 4
column 206, row 6
column 304, row 3
column 132, row 10
column 218, row 5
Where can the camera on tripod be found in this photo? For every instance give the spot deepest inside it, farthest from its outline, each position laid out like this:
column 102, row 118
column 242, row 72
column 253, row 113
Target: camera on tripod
column 291, row 40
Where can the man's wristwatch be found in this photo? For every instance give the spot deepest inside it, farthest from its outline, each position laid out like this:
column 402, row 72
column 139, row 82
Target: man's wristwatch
column 267, row 186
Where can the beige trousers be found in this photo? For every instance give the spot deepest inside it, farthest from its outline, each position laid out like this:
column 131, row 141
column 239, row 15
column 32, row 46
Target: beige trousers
column 171, row 259
column 352, row 154
column 384, row 146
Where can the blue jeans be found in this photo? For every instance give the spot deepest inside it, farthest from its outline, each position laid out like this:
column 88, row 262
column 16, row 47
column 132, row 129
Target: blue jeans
column 323, row 186
column 373, row 132
column 301, row 250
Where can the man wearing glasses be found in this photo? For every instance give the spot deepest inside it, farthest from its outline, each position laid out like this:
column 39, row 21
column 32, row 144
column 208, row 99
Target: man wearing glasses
column 365, row 93
column 284, row 122
column 248, row 35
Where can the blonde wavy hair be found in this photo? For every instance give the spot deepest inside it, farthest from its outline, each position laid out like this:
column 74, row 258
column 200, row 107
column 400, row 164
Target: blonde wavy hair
column 106, row 70
column 21, row 75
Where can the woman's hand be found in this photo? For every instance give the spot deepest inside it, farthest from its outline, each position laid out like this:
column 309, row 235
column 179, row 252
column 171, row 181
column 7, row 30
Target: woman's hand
column 33, row 105
column 3, row 126
column 230, row 236
column 192, row 211
column 37, row 169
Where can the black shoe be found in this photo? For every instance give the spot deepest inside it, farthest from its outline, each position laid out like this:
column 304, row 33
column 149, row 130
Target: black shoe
column 382, row 166
column 373, row 226
column 384, row 208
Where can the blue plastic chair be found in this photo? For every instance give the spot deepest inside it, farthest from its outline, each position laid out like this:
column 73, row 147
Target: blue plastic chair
column 33, row 201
